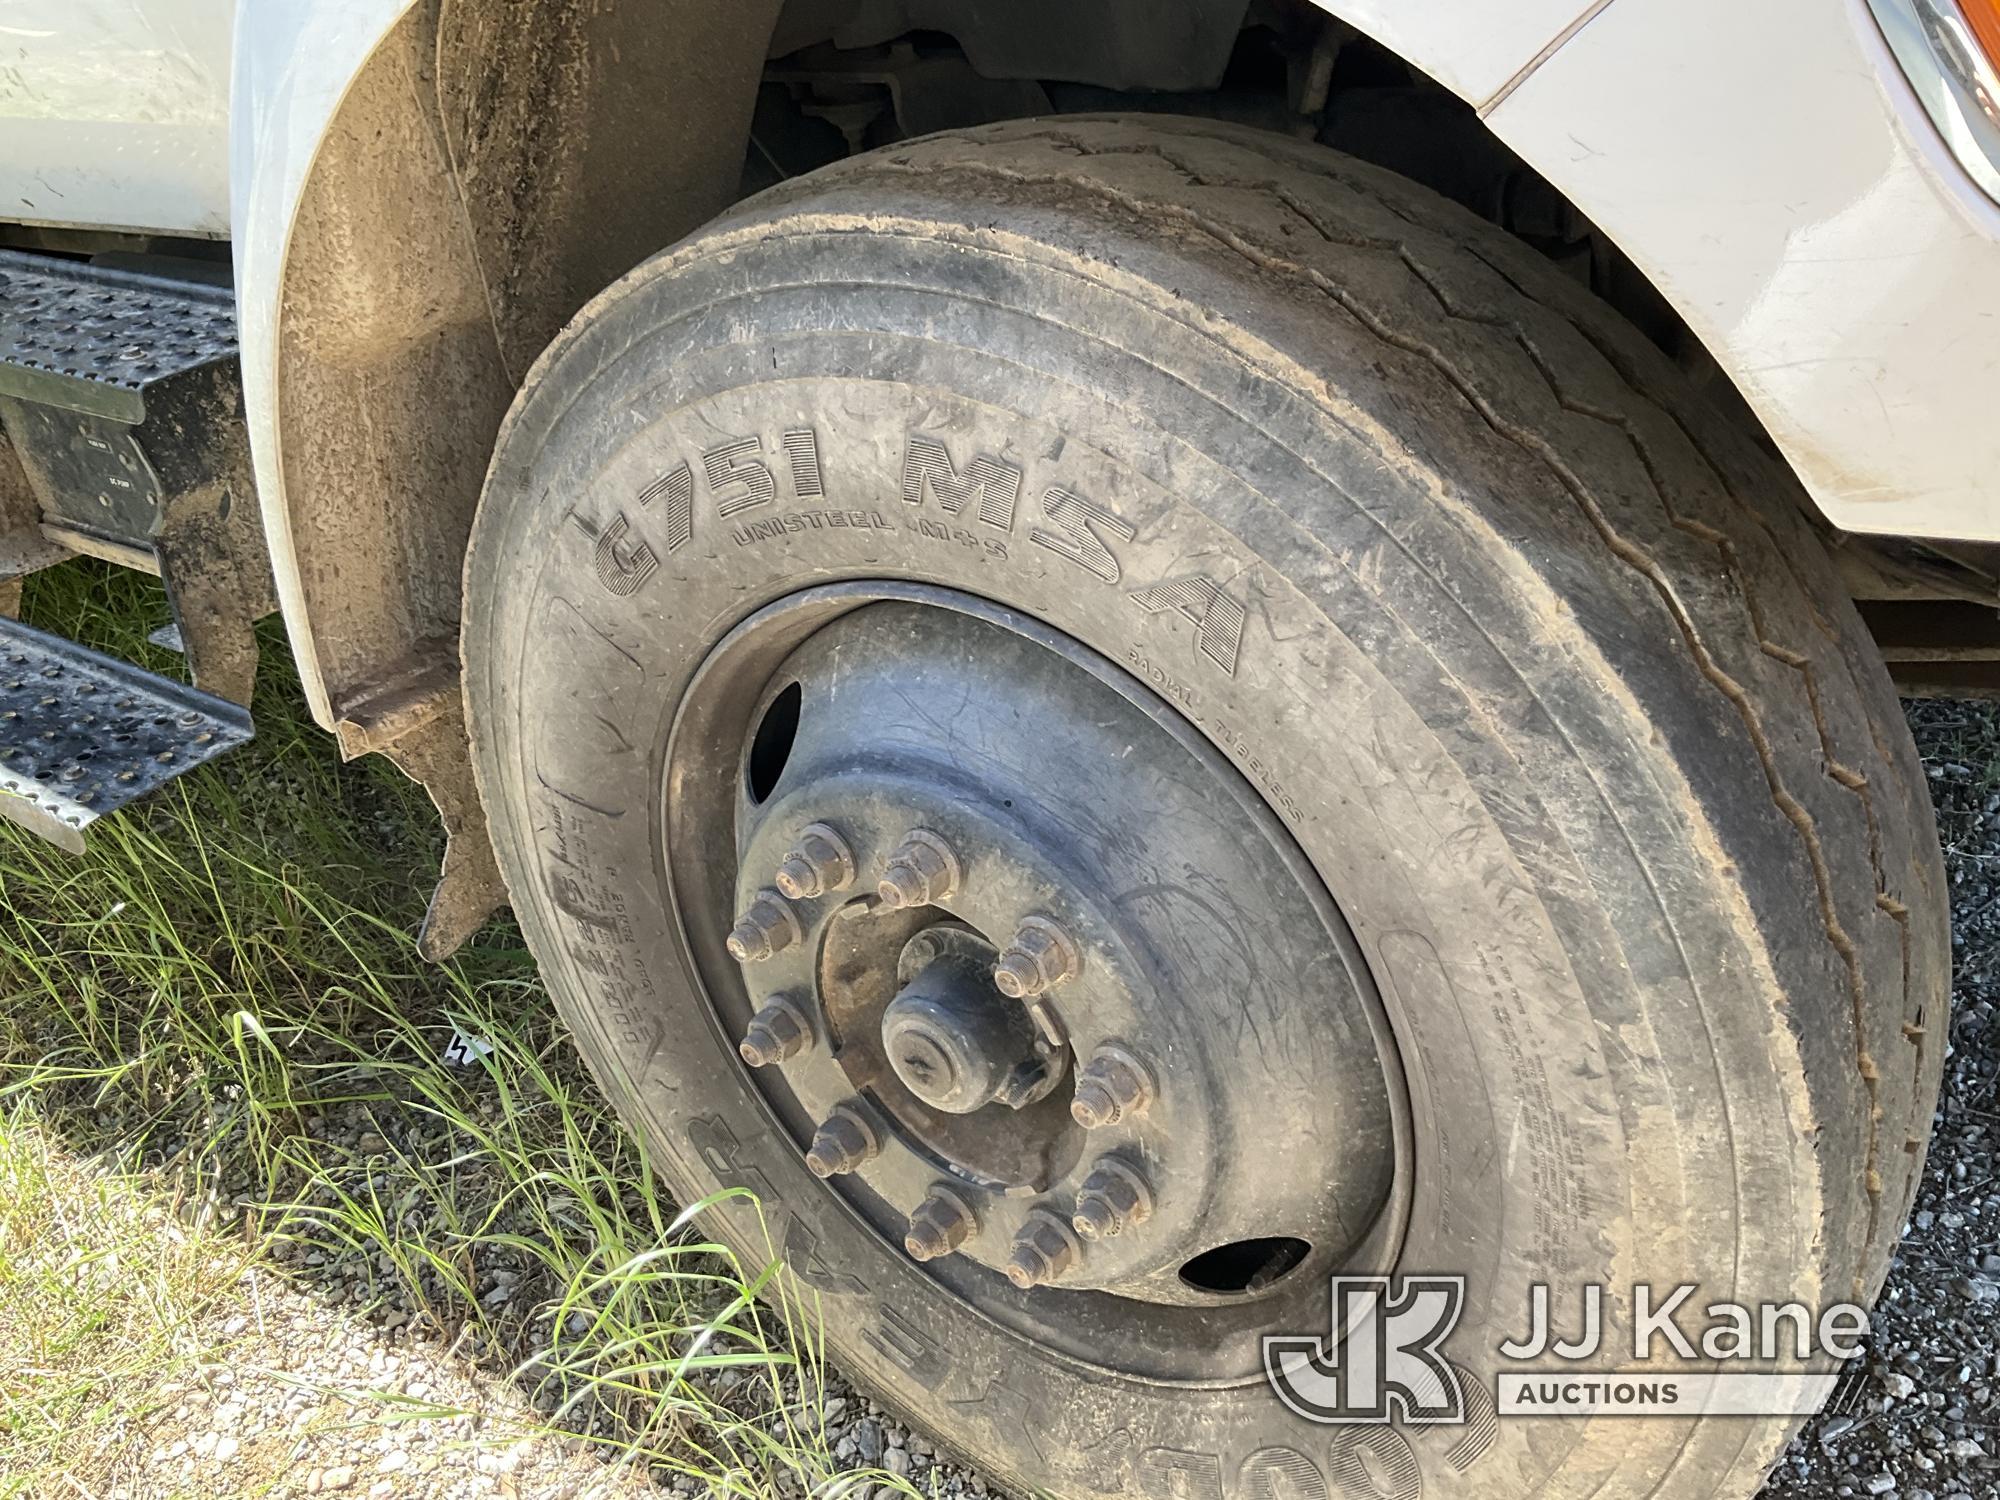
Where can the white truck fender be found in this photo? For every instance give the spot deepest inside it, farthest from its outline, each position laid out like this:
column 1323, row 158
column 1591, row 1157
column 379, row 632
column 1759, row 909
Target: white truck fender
column 1769, row 169
column 296, row 62
column 293, row 65
column 1476, row 50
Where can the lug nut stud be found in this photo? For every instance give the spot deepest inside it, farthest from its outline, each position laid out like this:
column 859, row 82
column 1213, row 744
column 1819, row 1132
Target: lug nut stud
column 778, row 1031
column 819, row 862
column 844, row 1140
column 767, row 926
column 921, row 871
column 1113, row 1197
column 1113, row 1086
column 1039, row 955
column 940, row 1225
column 1045, row 1250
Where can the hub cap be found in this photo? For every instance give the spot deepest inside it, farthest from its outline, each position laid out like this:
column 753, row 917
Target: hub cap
column 1037, row 983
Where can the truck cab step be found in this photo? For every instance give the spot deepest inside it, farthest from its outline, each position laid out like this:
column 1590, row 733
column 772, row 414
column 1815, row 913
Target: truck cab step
column 119, row 389
column 121, row 398
column 111, row 341
column 83, row 734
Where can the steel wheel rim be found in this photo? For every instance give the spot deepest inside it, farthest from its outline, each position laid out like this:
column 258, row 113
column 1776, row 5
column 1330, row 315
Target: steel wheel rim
column 1205, row 1337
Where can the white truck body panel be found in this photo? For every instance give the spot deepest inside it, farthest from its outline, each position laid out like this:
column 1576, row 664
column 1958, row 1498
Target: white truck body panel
column 1473, row 47
column 1770, row 170
column 115, row 114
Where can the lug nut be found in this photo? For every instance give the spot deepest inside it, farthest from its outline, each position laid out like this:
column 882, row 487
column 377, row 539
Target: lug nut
column 819, row 862
column 778, row 1031
column 940, row 1225
column 844, row 1140
column 1045, row 1250
column 921, row 871
column 1113, row 1197
column 768, row 926
column 1039, row 955
column 1114, row 1085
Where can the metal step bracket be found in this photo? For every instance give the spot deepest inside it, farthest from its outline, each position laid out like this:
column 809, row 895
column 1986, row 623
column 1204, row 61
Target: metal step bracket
column 82, row 734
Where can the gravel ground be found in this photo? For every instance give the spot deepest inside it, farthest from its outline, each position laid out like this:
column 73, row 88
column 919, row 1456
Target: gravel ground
column 1918, row 1420
column 296, row 1394
column 297, row 1398
column 330, row 1379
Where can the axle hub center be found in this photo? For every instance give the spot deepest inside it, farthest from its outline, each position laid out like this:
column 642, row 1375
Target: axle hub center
column 952, row 1037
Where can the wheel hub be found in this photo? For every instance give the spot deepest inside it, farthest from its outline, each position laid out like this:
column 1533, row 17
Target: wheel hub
column 1044, row 986
column 953, row 1039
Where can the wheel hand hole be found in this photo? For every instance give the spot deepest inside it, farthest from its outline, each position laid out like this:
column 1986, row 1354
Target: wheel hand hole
column 1244, row 1265
column 771, row 746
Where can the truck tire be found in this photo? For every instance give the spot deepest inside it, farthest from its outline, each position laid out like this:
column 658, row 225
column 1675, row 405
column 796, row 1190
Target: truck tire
column 1178, row 716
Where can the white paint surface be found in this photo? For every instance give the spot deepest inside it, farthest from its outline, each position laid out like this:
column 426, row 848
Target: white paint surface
column 1768, row 168
column 115, row 114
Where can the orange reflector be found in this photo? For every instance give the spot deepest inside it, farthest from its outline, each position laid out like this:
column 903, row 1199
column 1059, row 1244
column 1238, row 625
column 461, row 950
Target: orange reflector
column 1983, row 16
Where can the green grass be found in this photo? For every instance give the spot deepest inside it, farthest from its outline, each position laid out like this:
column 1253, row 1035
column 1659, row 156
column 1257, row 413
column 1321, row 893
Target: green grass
column 218, row 1012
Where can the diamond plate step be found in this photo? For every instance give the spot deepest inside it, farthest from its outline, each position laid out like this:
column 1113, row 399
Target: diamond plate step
column 82, row 734
column 105, row 341
column 121, row 401
column 120, row 391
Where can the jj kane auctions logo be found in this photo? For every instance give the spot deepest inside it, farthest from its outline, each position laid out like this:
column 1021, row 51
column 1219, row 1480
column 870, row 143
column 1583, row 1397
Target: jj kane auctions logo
column 1382, row 1358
